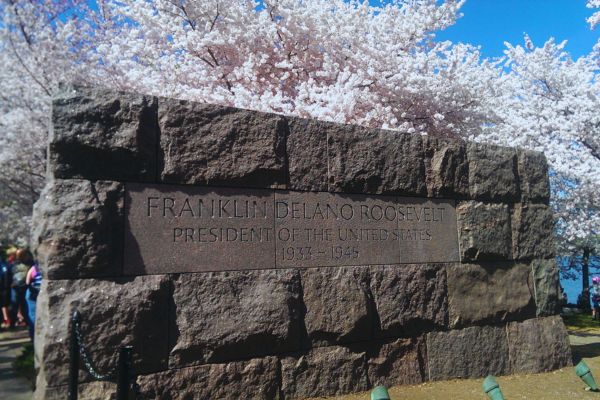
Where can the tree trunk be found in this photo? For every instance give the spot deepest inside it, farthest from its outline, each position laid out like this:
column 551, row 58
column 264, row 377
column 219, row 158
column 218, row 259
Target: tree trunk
column 585, row 272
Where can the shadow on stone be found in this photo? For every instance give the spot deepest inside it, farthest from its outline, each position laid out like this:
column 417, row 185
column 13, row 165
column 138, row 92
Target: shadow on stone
column 133, row 263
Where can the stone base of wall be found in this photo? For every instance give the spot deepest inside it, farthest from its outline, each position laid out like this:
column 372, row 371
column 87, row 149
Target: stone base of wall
column 297, row 333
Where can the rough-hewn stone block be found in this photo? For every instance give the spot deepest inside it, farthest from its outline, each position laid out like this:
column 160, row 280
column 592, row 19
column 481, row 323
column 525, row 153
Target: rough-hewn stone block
column 253, row 379
column 401, row 362
column 307, row 153
column 85, row 391
column 446, row 167
column 492, row 173
column 484, row 231
column 337, row 304
column 103, row 134
column 489, row 293
column 547, row 288
column 410, row 299
column 324, row 371
column 231, row 315
column 78, row 229
column 533, row 176
column 375, row 161
column 538, row 345
column 113, row 313
column 467, row 353
column 206, row 144
column 532, row 231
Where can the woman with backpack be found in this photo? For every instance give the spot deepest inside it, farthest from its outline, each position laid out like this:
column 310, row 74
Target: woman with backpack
column 24, row 261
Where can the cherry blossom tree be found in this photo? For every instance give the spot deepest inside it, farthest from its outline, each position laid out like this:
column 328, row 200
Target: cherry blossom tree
column 39, row 47
column 339, row 60
column 342, row 61
column 335, row 60
column 549, row 102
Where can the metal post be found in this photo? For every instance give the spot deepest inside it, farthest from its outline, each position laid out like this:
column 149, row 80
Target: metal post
column 74, row 357
column 124, row 374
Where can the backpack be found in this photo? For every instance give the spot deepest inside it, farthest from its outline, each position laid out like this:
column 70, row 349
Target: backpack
column 20, row 274
column 595, row 293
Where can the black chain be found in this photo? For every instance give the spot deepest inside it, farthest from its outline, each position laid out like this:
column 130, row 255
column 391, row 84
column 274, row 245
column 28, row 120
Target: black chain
column 87, row 359
column 111, row 374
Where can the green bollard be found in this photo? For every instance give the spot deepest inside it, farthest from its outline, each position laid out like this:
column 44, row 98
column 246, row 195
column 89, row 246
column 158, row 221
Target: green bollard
column 380, row 393
column 584, row 372
column 492, row 389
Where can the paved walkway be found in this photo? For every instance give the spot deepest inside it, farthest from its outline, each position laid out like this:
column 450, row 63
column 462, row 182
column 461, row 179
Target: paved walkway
column 12, row 387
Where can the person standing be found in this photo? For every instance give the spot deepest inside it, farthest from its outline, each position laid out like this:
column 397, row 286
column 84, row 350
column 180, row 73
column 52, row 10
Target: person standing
column 5, row 288
column 34, row 283
column 24, row 261
column 595, row 294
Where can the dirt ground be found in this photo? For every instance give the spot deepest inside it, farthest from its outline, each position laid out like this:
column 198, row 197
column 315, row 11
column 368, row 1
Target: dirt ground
column 557, row 385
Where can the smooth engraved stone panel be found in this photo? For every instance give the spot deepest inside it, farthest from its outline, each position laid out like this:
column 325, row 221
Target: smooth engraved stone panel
column 173, row 228
column 183, row 229
column 325, row 229
column 427, row 230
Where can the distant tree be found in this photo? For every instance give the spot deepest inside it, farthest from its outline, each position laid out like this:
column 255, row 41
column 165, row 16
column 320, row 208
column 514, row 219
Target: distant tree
column 583, row 261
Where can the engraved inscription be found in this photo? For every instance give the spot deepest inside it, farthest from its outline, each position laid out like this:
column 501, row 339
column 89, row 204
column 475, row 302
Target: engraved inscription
column 427, row 229
column 322, row 229
column 325, row 229
column 183, row 229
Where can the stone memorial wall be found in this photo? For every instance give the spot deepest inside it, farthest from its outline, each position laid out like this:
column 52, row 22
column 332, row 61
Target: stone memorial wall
column 247, row 255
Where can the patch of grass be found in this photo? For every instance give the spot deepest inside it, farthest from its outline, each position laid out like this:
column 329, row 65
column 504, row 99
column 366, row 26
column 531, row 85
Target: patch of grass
column 581, row 322
column 24, row 363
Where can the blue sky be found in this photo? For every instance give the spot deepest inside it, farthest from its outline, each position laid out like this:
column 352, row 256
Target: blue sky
column 489, row 23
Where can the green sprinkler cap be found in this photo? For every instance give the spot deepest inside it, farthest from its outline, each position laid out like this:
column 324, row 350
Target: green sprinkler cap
column 583, row 371
column 380, row 393
column 492, row 389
